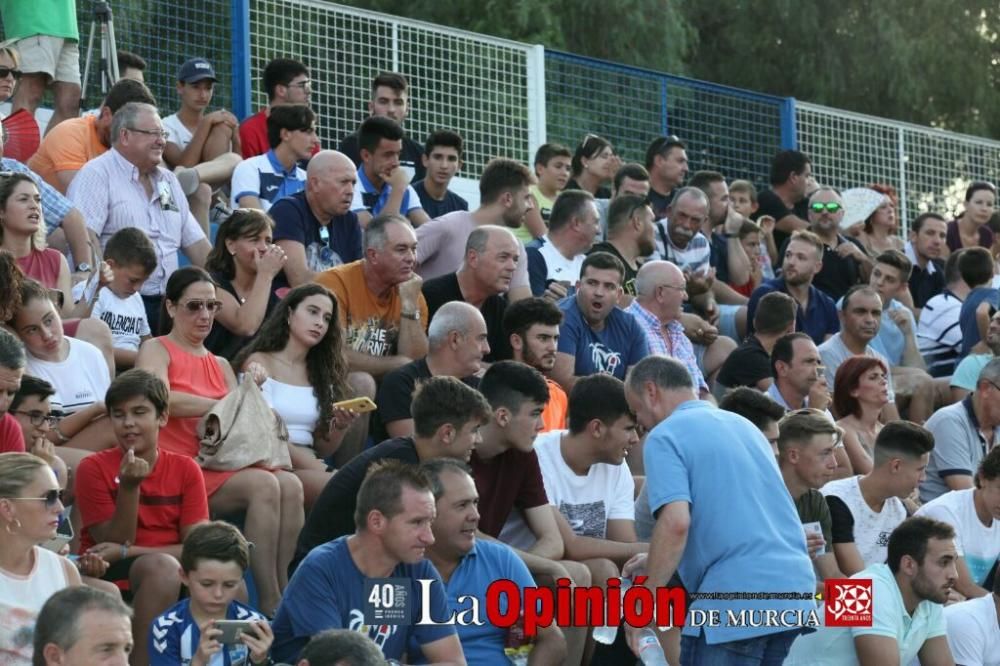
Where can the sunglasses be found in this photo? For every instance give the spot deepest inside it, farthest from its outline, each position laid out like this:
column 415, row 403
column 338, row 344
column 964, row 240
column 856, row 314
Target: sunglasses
column 10, row 71
column 829, row 207
column 51, row 498
column 198, row 306
column 663, row 143
column 38, row 418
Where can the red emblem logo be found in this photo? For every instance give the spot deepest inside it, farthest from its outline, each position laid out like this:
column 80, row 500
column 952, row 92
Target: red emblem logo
column 848, row 602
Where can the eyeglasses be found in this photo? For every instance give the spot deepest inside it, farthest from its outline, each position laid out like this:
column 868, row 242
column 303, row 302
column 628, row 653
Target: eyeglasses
column 163, row 134
column 670, row 286
column 38, row 418
column 51, row 498
column 10, row 71
column 307, row 84
column 830, row 207
column 199, row 305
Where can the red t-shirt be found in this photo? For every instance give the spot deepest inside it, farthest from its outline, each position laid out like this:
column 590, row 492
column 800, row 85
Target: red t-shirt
column 11, row 437
column 171, row 497
column 253, row 136
column 512, row 479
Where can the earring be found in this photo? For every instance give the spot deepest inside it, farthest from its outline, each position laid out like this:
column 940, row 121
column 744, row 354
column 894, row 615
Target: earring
column 16, row 523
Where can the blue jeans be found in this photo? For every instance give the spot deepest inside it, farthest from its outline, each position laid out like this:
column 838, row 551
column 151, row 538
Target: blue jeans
column 769, row 650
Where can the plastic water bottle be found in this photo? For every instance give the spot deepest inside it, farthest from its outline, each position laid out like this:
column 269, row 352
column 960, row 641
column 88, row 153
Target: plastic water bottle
column 607, row 634
column 650, row 651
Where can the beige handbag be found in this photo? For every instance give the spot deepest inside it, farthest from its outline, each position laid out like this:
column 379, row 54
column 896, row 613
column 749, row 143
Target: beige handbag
column 242, row 431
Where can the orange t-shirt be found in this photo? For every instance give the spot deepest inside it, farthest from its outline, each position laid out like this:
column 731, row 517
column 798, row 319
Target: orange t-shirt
column 71, row 144
column 554, row 414
column 371, row 325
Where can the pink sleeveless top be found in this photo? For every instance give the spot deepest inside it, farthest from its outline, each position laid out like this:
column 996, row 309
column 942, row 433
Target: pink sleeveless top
column 42, row 266
column 197, row 375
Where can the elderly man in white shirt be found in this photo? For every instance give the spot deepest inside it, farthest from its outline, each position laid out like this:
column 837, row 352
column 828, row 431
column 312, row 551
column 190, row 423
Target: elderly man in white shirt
column 128, row 187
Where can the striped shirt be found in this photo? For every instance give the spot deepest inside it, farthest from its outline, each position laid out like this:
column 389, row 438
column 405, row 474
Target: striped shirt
column 939, row 335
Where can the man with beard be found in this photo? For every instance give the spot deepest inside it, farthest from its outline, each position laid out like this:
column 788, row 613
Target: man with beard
column 490, row 262
column 844, row 261
column 504, row 198
column 597, row 335
column 928, row 234
column 631, row 234
column 816, row 312
column 860, row 318
column 532, row 327
column 908, row 619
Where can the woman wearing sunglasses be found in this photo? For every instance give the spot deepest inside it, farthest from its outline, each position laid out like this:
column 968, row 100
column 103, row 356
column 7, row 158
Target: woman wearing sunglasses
column 594, row 164
column 30, row 509
column 244, row 263
column 881, row 230
column 9, row 72
column 197, row 380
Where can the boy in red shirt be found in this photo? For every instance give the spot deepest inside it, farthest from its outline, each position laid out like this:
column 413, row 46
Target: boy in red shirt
column 137, row 503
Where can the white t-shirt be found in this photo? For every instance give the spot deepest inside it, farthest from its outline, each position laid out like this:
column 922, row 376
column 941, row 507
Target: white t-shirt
column 557, row 266
column 126, row 317
column 978, row 544
column 80, row 381
column 297, row 406
column 179, row 133
column 587, row 502
column 871, row 530
column 973, row 633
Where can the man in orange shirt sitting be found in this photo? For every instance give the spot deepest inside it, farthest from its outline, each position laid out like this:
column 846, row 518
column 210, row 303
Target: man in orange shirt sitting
column 532, row 326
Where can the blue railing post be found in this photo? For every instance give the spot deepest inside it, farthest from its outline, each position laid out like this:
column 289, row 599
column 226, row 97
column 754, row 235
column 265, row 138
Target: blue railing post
column 664, row 113
column 241, row 58
column 789, row 134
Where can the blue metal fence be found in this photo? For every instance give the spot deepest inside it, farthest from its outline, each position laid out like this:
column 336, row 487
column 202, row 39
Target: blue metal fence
column 726, row 129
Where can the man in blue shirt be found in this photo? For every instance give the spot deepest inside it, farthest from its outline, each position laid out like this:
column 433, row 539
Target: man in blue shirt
column 442, row 158
column 745, row 538
column 394, row 513
column 597, row 335
column 816, row 313
column 383, row 185
column 260, row 181
column 977, row 269
column 315, row 227
column 469, row 565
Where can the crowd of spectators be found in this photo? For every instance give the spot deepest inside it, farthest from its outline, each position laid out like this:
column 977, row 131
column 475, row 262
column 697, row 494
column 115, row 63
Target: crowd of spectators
column 606, row 370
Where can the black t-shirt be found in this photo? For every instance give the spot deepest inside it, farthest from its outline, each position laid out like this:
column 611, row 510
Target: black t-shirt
column 839, row 273
column 411, row 157
column 444, row 289
column 924, row 285
column 718, row 258
column 746, row 365
column 660, row 202
column 436, row 208
column 769, row 203
column 628, row 284
column 332, row 515
column 223, row 342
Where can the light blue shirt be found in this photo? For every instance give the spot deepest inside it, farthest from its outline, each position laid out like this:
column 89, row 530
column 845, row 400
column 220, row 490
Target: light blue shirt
column 834, row 646
column 967, row 373
column 890, row 341
column 745, row 534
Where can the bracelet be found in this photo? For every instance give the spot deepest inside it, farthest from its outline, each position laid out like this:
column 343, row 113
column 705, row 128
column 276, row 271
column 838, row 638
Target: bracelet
column 62, row 438
column 124, row 550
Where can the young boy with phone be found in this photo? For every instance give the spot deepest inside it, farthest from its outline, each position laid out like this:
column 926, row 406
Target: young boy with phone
column 211, row 628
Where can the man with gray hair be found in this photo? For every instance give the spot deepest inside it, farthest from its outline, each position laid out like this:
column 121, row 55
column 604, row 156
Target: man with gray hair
column 382, row 312
column 963, row 434
column 82, row 626
column 491, row 255
column 128, row 187
column 554, row 260
column 457, row 341
column 12, row 362
column 693, row 449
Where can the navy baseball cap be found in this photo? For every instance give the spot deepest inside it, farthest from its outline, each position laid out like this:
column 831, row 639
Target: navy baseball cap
column 196, row 69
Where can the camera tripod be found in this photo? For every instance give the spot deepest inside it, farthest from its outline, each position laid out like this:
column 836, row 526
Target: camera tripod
column 109, row 50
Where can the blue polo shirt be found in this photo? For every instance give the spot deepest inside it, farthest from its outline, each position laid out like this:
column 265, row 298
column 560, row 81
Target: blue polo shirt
column 267, row 179
column 367, row 198
column 818, row 320
column 745, row 538
column 487, row 562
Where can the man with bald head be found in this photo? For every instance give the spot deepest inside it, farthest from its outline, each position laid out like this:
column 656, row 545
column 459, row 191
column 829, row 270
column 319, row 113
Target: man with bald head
column 660, row 294
column 457, row 342
column 491, row 255
column 315, row 227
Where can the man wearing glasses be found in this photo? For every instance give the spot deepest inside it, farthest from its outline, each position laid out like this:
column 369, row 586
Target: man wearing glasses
column 127, row 187
column 845, row 262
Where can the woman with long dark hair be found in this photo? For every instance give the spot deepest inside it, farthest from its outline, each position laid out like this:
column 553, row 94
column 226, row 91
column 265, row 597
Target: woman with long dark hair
column 594, row 164
column 971, row 228
column 297, row 357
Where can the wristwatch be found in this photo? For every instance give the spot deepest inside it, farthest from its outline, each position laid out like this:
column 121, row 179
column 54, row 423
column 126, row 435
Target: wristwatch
column 415, row 316
column 83, row 267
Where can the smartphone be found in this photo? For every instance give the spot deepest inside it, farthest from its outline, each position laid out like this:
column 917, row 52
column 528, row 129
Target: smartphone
column 362, row 405
column 64, row 534
column 231, row 630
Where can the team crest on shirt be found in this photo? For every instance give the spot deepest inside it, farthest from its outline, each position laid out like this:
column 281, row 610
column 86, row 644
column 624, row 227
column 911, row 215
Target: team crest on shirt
column 380, row 634
column 603, row 359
